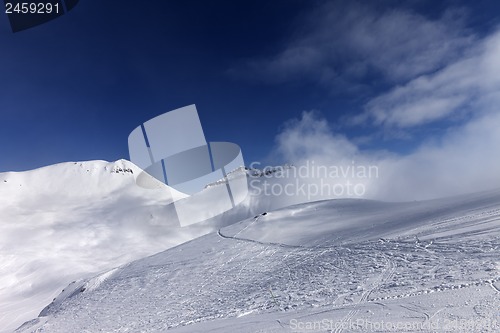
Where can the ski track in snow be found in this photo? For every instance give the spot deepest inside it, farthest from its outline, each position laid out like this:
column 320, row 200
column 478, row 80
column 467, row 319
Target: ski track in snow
column 384, row 276
column 297, row 289
column 244, row 278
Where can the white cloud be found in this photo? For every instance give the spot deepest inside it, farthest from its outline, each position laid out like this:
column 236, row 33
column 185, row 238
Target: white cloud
column 464, row 160
column 441, row 72
column 300, row 137
column 346, row 41
column 470, row 84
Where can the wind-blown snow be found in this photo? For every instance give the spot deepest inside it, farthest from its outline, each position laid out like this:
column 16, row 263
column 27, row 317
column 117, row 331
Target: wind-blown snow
column 339, row 262
column 72, row 220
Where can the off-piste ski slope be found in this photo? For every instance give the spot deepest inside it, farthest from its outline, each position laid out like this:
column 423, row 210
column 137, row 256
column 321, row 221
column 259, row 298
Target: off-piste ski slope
column 73, row 220
column 67, row 221
column 343, row 265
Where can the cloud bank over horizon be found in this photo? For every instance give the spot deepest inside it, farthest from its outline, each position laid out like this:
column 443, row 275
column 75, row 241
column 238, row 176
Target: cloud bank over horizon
column 456, row 89
column 463, row 160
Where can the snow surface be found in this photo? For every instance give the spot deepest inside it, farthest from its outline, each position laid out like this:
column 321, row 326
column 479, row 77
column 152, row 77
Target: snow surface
column 72, row 220
column 344, row 264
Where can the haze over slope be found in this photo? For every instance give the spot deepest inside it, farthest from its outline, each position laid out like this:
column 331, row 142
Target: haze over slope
column 346, row 261
column 70, row 220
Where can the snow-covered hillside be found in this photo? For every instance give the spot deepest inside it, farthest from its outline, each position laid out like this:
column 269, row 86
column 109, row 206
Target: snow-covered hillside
column 338, row 265
column 71, row 220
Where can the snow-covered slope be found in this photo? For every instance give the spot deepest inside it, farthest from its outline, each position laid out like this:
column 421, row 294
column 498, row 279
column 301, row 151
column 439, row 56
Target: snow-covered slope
column 72, row 220
column 333, row 263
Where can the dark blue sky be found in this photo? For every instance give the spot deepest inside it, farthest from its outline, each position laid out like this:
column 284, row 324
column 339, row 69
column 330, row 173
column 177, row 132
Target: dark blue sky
column 74, row 88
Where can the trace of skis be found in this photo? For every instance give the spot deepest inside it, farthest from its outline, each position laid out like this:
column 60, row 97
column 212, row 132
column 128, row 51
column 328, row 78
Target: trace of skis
column 383, row 277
